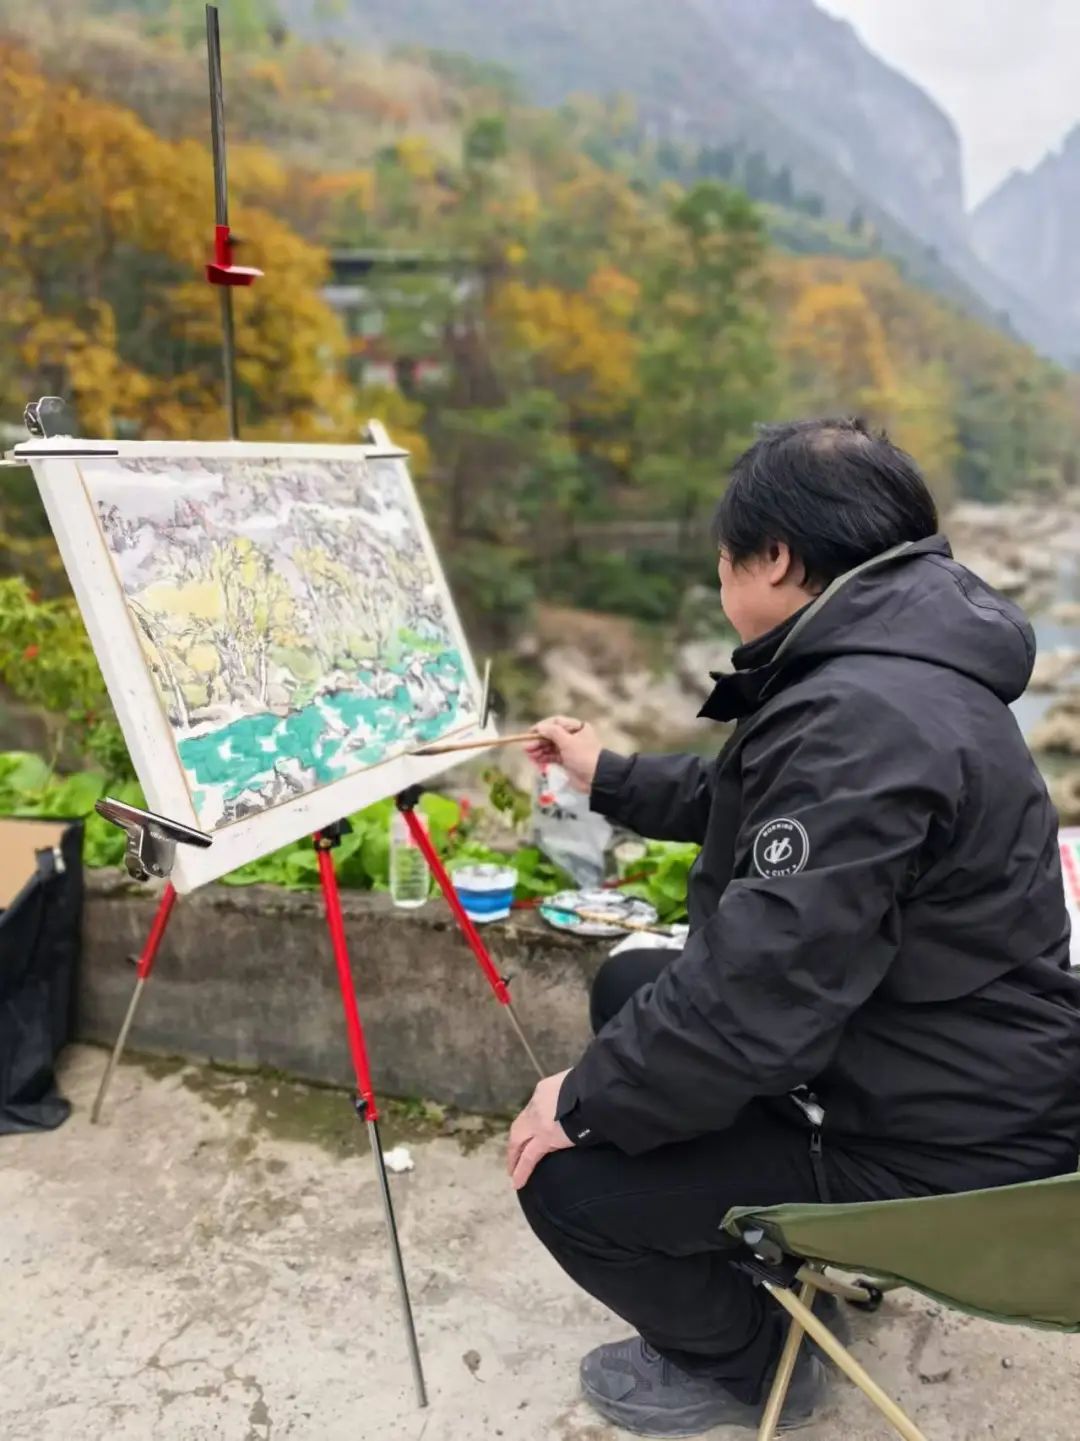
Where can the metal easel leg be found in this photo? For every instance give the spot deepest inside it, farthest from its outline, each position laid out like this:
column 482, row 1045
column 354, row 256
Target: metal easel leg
column 523, row 1038
column 146, row 965
column 406, row 803
column 396, row 1259
column 366, row 1107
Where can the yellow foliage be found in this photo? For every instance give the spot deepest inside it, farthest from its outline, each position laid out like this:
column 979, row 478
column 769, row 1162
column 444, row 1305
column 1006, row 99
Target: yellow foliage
column 856, row 340
column 200, row 599
column 616, row 293
column 270, row 74
column 204, row 659
column 255, row 175
column 416, row 157
column 835, row 345
column 576, row 339
column 101, row 214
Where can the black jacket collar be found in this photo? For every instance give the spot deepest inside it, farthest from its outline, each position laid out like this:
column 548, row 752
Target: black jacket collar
column 737, row 695
column 760, row 664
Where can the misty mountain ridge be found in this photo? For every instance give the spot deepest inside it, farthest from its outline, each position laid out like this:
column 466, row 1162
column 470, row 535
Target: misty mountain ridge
column 780, row 77
column 1027, row 231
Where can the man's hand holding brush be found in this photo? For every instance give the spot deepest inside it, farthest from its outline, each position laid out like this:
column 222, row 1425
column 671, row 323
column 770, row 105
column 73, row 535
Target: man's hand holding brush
column 569, row 743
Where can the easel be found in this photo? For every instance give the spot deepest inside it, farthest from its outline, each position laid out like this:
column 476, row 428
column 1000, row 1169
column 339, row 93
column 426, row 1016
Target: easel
column 152, row 840
column 151, row 850
column 224, row 274
column 143, row 869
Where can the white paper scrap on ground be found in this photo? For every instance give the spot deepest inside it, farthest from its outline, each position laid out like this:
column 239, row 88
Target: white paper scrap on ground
column 398, row 1160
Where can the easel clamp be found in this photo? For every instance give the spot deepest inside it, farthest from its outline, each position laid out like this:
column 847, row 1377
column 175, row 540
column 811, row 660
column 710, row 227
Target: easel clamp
column 151, row 839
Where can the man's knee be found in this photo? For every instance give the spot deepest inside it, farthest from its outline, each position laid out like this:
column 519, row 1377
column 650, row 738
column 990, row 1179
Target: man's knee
column 546, row 1196
column 607, row 995
column 618, row 979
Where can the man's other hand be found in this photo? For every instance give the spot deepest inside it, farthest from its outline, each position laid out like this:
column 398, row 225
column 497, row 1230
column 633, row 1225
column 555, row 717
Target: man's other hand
column 536, row 1132
column 569, row 743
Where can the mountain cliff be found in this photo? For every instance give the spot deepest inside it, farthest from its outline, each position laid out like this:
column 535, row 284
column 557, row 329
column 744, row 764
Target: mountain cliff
column 873, row 124
column 1026, row 230
column 778, row 77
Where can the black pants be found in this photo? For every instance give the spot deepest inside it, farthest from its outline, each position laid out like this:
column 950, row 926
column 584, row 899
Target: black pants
column 642, row 1233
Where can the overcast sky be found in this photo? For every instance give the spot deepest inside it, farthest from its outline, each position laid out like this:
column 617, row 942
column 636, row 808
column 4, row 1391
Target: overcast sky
column 1006, row 71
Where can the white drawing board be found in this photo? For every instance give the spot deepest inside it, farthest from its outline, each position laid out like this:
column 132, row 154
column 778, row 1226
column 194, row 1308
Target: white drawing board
column 273, row 625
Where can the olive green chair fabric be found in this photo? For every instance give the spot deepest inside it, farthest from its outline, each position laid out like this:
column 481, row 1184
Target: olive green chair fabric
column 1011, row 1254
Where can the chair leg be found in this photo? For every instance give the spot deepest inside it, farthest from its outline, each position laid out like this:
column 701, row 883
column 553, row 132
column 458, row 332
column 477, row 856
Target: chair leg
column 800, row 1312
column 784, row 1371
column 832, row 1285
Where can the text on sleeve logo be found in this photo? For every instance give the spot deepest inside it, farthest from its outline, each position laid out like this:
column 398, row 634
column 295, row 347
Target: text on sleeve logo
column 781, row 848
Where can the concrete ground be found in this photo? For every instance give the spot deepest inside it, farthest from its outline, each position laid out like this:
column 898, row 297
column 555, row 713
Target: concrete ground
column 209, row 1263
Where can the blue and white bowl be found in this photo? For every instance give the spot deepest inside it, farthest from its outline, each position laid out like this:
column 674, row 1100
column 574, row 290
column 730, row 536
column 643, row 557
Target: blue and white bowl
column 486, row 891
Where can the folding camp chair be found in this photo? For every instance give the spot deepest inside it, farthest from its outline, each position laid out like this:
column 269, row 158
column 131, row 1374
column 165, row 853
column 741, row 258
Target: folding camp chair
column 1010, row 1255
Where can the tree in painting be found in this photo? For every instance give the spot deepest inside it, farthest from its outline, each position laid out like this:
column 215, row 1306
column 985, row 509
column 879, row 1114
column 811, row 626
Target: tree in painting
column 293, row 621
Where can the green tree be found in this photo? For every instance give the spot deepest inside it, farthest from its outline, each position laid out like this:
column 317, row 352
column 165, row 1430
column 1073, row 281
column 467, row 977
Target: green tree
column 706, row 362
column 485, row 140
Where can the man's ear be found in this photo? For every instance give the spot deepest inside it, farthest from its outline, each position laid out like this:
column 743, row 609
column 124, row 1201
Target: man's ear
column 779, row 562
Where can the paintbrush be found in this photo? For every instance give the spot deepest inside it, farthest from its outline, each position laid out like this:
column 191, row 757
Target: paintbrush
column 444, row 748
column 447, row 747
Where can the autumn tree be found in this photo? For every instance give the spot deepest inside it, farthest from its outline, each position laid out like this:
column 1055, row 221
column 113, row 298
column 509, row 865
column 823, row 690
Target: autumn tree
column 836, row 353
column 103, row 237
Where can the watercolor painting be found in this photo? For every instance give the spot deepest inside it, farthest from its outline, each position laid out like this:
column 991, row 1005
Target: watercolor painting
column 290, row 614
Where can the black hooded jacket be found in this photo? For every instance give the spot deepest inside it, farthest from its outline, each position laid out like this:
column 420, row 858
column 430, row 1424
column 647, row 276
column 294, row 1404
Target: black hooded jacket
column 877, row 912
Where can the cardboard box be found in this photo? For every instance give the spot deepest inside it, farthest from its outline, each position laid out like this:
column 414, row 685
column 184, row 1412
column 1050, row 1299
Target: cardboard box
column 19, row 843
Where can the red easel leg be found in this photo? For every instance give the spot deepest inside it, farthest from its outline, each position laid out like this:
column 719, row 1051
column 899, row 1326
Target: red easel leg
column 366, row 1107
column 471, row 934
column 145, row 966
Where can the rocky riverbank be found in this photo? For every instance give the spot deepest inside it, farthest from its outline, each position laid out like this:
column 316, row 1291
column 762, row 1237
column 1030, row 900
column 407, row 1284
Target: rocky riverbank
column 640, row 689
column 644, row 691
column 1019, row 549
column 1031, row 552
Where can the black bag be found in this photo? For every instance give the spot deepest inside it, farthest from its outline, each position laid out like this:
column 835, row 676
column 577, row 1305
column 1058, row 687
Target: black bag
column 40, row 937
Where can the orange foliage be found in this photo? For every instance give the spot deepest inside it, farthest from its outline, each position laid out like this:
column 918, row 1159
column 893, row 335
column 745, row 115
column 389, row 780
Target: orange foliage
column 103, row 235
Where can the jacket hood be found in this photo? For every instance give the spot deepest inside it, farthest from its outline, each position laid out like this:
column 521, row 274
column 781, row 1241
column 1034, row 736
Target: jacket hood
column 915, row 602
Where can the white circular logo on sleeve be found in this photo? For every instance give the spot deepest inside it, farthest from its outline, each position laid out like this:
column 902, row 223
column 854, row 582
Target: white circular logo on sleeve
column 781, row 848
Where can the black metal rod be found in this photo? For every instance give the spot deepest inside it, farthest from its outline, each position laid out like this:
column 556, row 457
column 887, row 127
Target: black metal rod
column 398, row 1264
column 217, row 116
column 221, row 211
column 228, row 346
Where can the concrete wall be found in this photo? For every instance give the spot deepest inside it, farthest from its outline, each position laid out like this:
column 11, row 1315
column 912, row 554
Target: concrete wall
column 247, row 976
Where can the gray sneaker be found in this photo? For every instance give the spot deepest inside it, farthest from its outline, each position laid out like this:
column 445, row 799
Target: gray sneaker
column 638, row 1389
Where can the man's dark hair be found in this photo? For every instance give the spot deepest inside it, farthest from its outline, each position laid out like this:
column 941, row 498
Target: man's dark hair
column 832, row 490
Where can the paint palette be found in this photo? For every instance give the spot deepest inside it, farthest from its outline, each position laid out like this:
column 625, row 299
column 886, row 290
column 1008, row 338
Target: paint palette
column 561, row 910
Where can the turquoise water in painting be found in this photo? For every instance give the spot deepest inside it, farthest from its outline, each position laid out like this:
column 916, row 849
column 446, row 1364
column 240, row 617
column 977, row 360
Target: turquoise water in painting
column 322, row 738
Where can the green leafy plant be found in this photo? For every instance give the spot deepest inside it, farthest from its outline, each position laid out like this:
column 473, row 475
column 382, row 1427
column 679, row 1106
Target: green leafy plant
column 666, row 867
column 30, row 787
column 512, row 803
column 46, row 660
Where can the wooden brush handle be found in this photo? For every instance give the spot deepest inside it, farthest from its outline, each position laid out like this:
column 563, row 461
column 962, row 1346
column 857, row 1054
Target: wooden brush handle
column 520, row 738
column 446, row 748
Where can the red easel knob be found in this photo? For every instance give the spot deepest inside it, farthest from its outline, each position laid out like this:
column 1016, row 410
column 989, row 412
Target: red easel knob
column 221, row 270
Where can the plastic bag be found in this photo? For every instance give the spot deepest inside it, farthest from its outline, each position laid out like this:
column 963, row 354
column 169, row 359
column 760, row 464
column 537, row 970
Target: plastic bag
column 566, row 830
column 39, row 957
